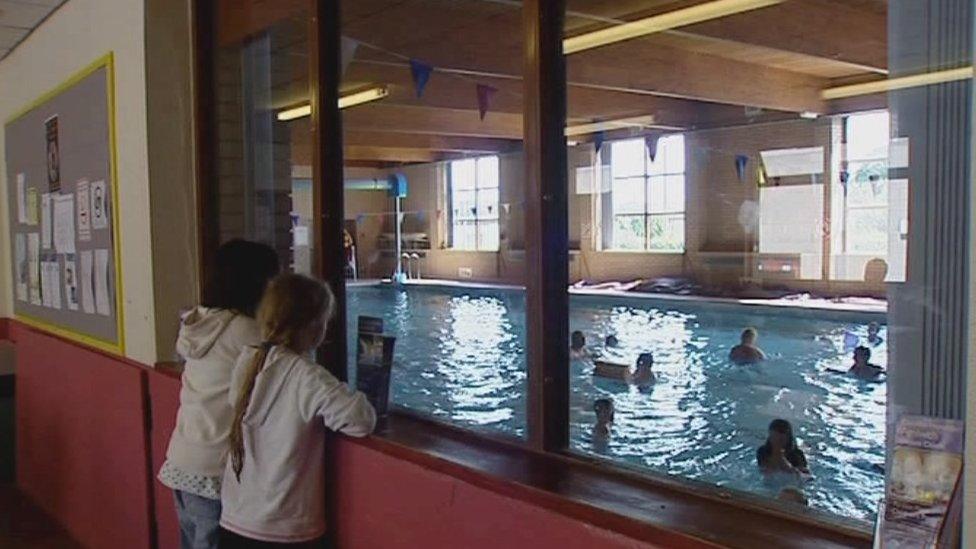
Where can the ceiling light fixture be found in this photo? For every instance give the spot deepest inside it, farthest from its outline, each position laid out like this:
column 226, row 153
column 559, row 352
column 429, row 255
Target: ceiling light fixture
column 365, row 96
column 897, row 83
column 662, row 22
column 618, row 124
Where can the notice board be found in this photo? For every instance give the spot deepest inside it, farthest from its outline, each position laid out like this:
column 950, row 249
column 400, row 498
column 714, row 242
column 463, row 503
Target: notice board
column 62, row 190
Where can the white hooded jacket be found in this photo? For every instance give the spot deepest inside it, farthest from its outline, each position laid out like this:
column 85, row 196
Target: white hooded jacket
column 210, row 341
column 280, row 496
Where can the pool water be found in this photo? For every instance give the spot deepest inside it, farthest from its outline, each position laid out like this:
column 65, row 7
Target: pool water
column 459, row 356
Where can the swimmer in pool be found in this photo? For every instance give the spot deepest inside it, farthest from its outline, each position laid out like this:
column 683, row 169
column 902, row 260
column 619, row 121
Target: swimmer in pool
column 746, row 352
column 780, row 453
column 577, row 345
column 873, row 337
column 793, row 494
column 643, row 373
column 862, row 368
column 611, row 341
column 604, row 418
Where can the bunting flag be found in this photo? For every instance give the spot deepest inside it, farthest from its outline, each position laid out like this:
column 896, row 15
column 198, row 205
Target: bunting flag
column 844, row 178
column 598, row 139
column 485, row 94
column 650, row 142
column 421, row 74
column 741, row 161
column 347, row 50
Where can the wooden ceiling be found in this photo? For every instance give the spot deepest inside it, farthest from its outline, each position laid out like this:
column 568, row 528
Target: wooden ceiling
column 766, row 64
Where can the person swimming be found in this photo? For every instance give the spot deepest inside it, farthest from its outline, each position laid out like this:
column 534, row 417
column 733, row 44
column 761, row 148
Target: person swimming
column 746, row 352
column 577, row 344
column 643, row 373
column 873, row 337
column 780, row 453
column 862, row 368
column 611, row 341
column 603, row 407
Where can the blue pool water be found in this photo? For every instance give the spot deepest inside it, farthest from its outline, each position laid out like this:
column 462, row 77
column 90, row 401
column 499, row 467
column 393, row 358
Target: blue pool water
column 459, row 356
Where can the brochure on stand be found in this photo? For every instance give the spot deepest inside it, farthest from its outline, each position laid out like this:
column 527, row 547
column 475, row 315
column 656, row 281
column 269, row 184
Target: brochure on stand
column 923, row 498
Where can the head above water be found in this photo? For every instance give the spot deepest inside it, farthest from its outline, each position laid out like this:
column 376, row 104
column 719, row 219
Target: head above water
column 577, row 341
column 645, row 361
column 862, row 355
column 604, row 410
column 611, row 341
column 749, row 336
column 295, row 311
column 239, row 272
column 781, row 434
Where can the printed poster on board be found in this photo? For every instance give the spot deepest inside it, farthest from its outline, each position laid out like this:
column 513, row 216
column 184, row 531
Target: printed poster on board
column 99, row 205
column 53, row 154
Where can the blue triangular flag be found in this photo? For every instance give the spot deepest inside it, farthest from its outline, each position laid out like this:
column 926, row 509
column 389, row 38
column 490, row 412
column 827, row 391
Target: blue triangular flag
column 598, row 139
column 484, row 98
column 741, row 161
column 651, row 143
column 421, row 74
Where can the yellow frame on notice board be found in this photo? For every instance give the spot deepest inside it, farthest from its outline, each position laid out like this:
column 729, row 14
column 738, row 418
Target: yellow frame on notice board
column 118, row 347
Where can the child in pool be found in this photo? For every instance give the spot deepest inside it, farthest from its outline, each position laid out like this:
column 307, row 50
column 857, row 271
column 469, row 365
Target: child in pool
column 862, row 368
column 603, row 407
column 274, row 482
column 780, row 453
column 746, row 352
column 577, row 345
column 643, row 373
column 873, row 337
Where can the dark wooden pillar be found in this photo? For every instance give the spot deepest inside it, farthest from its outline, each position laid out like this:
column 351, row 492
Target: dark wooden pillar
column 546, row 225
column 327, row 178
column 204, row 129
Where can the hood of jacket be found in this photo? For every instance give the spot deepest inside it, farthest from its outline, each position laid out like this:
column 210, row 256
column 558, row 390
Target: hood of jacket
column 199, row 330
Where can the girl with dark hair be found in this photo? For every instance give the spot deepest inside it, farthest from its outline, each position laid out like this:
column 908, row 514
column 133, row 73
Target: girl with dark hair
column 780, row 453
column 211, row 337
column 281, row 399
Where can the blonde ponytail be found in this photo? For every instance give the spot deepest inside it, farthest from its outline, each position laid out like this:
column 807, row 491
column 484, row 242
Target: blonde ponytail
column 293, row 314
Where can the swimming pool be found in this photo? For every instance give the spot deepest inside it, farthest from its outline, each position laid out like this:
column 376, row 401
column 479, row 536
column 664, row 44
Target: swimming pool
column 459, row 356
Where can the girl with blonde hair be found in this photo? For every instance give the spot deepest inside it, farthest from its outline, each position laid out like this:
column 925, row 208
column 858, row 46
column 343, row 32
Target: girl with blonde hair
column 274, row 484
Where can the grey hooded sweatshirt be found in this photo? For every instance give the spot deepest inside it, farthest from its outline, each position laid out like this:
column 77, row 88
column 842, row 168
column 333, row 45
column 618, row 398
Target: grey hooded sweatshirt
column 210, row 341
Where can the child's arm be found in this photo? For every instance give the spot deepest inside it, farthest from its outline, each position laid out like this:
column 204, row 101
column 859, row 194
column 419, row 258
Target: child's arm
column 341, row 408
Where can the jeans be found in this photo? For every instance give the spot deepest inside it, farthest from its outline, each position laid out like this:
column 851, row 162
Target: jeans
column 199, row 520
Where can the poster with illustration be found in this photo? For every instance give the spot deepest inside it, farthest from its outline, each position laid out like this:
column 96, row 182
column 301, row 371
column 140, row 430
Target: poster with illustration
column 83, row 203
column 71, row 282
column 926, row 467
column 99, row 205
column 53, row 155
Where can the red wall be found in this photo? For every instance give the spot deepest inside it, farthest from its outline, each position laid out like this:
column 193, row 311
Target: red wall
column 391, row 503
column 86, row 454
column 82, row 439
column 164, row 399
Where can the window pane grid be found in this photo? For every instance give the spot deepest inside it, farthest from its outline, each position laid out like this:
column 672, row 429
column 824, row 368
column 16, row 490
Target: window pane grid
column 474, row 191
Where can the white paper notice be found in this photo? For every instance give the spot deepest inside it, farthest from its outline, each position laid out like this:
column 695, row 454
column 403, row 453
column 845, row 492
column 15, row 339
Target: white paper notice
column 87, row 291
column 34, row 268
column 71, row 282
column 99, row 205
column 21, row 198
column 53, row 292
column 84, row 210
column 32, row 206
column 101, row 283
column 20, row 248
column 64, row 223
column 46, row 221
column 45, row 282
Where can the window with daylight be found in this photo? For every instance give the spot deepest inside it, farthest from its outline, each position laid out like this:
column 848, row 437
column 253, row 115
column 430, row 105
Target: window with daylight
column 473, row 190
column 866, row 196
column 648, row 195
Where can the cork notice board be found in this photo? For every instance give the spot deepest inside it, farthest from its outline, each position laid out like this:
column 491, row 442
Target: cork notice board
column 62, row 191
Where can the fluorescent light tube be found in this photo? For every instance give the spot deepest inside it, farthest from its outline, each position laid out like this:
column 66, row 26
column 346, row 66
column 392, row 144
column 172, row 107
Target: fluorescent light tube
column 346, row 101
column 662, row 22
column 897, row 83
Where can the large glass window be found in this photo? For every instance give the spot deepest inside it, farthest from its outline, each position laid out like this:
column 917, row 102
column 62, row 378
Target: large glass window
column 473, row 187
column 648, row 194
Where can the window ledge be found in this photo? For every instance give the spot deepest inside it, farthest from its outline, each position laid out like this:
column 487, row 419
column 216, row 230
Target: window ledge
column 642, row 252
column 638, row 507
